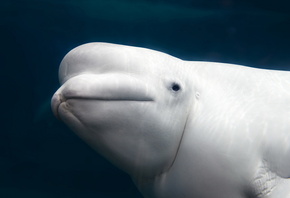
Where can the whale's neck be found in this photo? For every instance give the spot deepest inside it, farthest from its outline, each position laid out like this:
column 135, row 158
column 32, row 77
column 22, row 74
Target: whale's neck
column 257, row 100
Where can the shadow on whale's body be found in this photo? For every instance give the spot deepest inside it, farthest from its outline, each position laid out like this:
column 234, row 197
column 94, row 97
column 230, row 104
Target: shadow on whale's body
column 180, row 128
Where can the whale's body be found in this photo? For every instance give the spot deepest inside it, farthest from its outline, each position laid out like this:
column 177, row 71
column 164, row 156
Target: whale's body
column 180, row 128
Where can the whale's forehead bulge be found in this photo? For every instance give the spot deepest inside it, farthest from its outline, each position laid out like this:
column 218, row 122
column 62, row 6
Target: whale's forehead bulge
column 109, row 58
column 130, row 104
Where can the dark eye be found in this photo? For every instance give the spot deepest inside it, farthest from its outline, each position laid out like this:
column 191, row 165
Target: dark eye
column 175, row 87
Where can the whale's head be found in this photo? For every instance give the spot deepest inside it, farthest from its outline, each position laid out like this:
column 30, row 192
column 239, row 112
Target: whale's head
column 130, row 104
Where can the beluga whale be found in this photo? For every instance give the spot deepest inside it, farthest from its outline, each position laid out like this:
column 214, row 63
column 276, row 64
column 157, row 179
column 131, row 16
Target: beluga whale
column 180, row 129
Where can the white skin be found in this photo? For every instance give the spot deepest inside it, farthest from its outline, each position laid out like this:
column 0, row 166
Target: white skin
column 179, row 128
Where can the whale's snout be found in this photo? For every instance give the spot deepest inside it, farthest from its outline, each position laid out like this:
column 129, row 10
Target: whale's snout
column 56, row 100
column 99, row 87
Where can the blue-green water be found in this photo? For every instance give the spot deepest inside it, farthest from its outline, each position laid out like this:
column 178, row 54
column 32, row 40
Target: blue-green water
column 39, row 156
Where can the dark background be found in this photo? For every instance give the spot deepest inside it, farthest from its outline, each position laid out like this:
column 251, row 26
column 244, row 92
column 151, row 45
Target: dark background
column 39, row 156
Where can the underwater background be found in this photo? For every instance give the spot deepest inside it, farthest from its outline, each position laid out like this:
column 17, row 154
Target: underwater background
column 39, row 155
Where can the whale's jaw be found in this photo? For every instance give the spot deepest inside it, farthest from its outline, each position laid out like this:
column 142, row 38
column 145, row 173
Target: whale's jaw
column 105, row 87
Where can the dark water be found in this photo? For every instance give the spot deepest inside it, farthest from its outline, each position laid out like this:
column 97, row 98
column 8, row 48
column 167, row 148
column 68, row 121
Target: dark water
column 39, row 156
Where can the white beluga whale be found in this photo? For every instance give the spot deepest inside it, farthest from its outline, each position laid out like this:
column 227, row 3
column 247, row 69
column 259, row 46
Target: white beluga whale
column 180, row 128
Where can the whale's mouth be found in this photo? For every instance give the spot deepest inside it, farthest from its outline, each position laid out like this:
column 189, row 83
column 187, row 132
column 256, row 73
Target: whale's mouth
column 59, row 99
column 101, row 88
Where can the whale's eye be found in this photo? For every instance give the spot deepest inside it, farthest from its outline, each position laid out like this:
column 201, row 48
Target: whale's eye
column 175, row 87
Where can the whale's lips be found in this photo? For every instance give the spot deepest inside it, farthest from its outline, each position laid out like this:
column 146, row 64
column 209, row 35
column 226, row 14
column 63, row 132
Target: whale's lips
column 101, row 87
column 55, row 102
